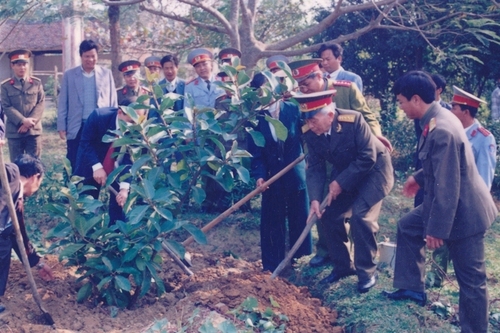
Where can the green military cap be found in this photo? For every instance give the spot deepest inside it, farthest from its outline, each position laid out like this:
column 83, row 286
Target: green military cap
column 21, row 55
column 301, row 69
column 129, row 66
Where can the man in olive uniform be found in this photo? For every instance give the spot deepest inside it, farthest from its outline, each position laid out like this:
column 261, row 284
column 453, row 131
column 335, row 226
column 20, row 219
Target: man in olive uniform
column 23, row 102
column 361, row 176
column 457, row 208
column 132, row 88
column 347, row 96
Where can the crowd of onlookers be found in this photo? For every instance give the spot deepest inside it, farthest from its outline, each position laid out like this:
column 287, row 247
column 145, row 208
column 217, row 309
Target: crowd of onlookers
column 343, row 180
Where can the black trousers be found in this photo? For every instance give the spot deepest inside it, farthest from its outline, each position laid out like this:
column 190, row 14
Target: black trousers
column 7, row 243
column 115, row 211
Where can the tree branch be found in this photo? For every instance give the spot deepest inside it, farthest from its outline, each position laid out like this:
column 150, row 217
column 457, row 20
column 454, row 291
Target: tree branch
column 328, row 21
column 121, row 3
column 190, row 21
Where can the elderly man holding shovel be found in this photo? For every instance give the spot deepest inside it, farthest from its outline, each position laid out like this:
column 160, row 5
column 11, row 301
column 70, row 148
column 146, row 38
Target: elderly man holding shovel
column 361, row 177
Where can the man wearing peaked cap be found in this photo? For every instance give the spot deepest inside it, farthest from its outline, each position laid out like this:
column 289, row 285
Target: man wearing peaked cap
column 347, row 96
column 465, row 107
column 226, row 55
column 272, row 62
column 201, row 92
column 153, row 63
column 132, row 87
column 23, row 100
column 361, row 176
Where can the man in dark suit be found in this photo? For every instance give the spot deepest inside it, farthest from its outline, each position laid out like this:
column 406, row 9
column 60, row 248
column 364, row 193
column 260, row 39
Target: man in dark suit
column 286, row 199
column 171, row 83
column 97, row 159
column 84, row 88
column 456, row 211
column 25, row 176
column 361, row 177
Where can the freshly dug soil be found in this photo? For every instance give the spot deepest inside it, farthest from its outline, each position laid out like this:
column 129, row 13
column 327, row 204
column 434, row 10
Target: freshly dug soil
column 220, row 285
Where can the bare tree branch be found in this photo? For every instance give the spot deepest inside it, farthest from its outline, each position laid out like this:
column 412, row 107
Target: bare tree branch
column 215, row 13
column 328, row 21
column 189, row 21
column 121, row 3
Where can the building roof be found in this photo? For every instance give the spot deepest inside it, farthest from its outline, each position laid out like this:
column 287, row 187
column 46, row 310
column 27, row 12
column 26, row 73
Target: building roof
column 33, row 36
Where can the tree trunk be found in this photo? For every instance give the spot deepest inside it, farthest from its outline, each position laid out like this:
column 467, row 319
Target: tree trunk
column 114, row 36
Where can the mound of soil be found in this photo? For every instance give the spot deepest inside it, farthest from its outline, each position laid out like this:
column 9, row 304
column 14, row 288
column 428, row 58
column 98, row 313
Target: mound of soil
column 220, row 285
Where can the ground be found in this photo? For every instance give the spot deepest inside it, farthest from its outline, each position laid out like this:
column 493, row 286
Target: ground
column 220, row 284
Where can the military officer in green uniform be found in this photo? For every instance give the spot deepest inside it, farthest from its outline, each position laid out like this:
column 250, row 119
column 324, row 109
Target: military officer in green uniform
column 360, row 178
column 347, row 96
column 132, row 88
column 23, row 101
column 226, row 55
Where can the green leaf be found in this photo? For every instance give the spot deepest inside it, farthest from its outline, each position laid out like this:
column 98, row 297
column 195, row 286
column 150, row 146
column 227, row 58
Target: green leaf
column 199, row 194
column 103, row 282
column 250, row 303
column 149, row 188
column 243, row 173
column 257, row 137
column 227, row 327
column 139, row 163
column 137, row 214
column 178, row 249
column 131, row 254
column 273, row 302
column 84, row 292
column 70, row 250
column 123, row 283
column 164, row 212
column 279, row 128
column 108, row 263
column 197, row 234
column 207, row 327
column 243, row 78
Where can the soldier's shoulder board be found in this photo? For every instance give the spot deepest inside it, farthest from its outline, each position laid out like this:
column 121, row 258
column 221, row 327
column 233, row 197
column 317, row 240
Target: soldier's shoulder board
column 34, row 78
column 192, row 81
column 7, row 80
column 483, row 131
column 432, row 124
column 342, row 83
column 347, row 118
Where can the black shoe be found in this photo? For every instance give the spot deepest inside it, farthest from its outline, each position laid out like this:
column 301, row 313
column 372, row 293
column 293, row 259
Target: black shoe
column 2, row 308
column 418, row 297
column 334, row 276
column 364, row 286
column 318, row 261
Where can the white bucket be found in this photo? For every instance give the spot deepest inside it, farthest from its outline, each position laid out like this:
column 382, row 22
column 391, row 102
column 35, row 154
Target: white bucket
column 387, row 253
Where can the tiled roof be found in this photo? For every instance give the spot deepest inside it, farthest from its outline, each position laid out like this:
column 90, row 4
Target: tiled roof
column 32, row 36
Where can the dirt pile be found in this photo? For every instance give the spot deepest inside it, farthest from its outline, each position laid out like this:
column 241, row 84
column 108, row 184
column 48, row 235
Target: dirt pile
column 220, row 284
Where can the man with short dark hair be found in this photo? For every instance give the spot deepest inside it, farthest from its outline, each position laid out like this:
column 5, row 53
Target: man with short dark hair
column 83, row 89
column 172, row 83
column 23, row 101
column 25, row 176
column 457, row 207
column 131, row 76
column 332, row 64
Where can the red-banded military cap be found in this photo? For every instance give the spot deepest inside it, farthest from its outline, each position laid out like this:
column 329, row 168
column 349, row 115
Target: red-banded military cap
column 225, row 55
column 223, row 77
column 462, row 97
column 199, row 55
column 301, row 69
column 272, row 61
column 310, row 104
column 129, row 66
column 20, row 55
column 152, row 61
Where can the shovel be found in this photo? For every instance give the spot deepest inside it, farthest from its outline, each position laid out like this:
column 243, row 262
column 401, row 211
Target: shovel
column 309, row 223
column 246, row 198
column 46, row 317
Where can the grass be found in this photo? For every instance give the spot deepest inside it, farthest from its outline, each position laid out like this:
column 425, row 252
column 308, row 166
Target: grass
column 368, row 312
